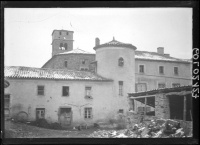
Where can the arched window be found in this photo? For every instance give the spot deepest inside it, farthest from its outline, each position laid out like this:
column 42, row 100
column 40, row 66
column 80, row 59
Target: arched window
column 121, row 61
column 65, row 46
column 61, row 46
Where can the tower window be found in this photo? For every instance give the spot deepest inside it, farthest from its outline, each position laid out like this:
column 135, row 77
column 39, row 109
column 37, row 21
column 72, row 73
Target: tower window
column 65, row 63
column 60, row 33
column 161, row 69
column 61, row 46
column 121, row 61
column 83, row 61
column 67, row 33
column 121, row 88
column 65, row 46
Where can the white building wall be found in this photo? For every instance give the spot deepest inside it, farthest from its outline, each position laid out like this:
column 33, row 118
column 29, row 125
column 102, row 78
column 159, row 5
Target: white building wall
column 23, row 93
column 107, row 66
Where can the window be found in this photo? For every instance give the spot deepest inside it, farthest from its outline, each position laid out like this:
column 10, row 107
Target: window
column 176, row 85
column 40, row 90
column 88, row 113
column 141, row 68
column 176, row 70
column 161, row 85
column 121, row 111
column 121, row 88
column 40, row 113
column 67, row 33
column 7, row 105
column 65, row 63
column 88, row 91
column 65, row 91
column 83, row 61
column 60, row 33
column 121, row 61
column 65, row 46
column 84, row 69
column 141, row 87
column 161, row 69
column 61, row 46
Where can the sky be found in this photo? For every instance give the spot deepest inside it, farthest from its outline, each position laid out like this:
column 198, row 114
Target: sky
column 27, row 31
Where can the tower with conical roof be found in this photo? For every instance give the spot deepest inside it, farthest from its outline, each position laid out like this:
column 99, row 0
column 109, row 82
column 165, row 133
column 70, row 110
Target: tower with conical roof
column 116, row 60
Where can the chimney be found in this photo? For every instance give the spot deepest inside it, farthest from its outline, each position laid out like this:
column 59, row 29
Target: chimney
column 168, row 55
column 160, row 50
column 97, row 42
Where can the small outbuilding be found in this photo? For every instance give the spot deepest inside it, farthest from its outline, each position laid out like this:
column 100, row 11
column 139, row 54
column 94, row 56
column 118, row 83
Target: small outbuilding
column 168, row 103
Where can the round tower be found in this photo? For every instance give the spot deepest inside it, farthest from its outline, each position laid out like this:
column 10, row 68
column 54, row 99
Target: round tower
column 116, row 61
column 62, row 41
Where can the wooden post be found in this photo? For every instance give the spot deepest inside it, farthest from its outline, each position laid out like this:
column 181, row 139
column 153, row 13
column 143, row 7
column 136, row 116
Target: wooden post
column 184, row 108
column 145, row 110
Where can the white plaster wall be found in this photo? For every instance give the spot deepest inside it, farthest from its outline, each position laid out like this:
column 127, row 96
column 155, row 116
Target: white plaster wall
column 107, row 66
column 23, row 93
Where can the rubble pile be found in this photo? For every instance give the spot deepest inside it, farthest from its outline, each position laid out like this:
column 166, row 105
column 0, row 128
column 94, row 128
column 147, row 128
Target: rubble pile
column 158, row 128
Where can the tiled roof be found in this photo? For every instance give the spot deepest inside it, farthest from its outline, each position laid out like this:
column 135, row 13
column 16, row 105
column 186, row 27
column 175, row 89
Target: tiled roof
column 41, row 73
column 76, row 51
column 115, row 43
column 161, row 90
column 155, row 56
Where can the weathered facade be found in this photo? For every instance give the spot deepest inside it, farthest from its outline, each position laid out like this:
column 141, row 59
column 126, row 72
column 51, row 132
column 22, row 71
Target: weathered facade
column 76, row 86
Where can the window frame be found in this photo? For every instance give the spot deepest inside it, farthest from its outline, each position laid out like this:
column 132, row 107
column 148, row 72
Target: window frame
column 90, row 91
column 121, row 87
column 63, row 93
column 139, row 83
column 143, row 68
column 66, row 62
column 88, row 112
column 175, row 84
column 175, row 71
column 121, row 62
column 163, row 70
column 40, row 109
column 161, row 84
column 43, row 94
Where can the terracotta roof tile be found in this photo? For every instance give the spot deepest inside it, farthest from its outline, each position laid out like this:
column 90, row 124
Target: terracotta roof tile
column 43, row 73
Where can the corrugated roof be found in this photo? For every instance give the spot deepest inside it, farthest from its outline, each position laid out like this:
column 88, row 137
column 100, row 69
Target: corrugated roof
column 76, row 51
column 155, row 56
column 115, row 43
column 43, row 73
column 161, row 90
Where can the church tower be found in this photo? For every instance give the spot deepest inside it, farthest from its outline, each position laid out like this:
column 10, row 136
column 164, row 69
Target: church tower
column 62, row 41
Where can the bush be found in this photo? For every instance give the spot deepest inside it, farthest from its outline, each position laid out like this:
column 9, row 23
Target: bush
column 42, row 123
column 56, row 126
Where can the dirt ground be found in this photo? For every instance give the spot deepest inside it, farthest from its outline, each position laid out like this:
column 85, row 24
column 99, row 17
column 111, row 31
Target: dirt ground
column 20, row 130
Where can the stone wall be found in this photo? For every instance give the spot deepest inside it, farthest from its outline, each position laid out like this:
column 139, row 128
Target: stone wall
column 74, row 61
column 162, row 109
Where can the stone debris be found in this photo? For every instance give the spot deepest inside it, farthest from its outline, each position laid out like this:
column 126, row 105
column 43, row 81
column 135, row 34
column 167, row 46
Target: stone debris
column 158, row 128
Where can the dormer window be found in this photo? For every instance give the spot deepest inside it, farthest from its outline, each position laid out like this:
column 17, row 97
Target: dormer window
column 121, row 61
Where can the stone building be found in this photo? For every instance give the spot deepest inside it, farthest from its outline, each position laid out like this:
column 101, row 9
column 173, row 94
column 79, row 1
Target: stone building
column 76, row 86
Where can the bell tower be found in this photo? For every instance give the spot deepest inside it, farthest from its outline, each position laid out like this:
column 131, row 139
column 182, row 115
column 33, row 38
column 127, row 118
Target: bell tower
column 62, row 41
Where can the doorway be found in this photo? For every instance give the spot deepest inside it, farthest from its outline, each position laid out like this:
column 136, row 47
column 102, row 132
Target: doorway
column 65, row 116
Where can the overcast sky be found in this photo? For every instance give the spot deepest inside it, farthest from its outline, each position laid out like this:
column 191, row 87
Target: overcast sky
column 28, row 30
